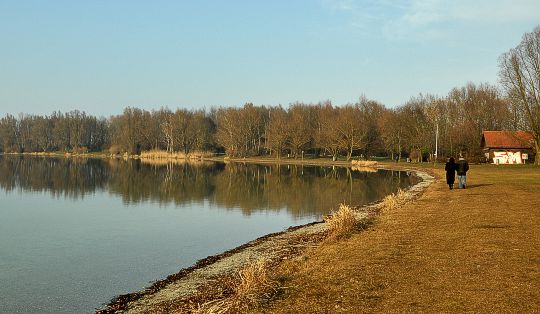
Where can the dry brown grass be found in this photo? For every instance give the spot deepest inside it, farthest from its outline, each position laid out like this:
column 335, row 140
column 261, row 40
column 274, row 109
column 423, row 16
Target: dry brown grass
column 161, row 154
column 164, row 162
column 461, row 251
column 250, row 287
column 364, row 163
column 341, row 222
column 394, row 200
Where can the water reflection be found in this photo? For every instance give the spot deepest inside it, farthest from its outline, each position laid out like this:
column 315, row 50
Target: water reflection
column 301, row 190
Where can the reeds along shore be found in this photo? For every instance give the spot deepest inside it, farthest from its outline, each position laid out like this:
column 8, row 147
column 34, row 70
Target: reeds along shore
column 257, row 280
column 341, row 222
column 161, row 154
column 364, row 163
column 249, row 286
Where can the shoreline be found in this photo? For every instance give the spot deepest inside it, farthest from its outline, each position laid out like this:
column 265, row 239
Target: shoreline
column 317, row 161
column 183, row 287
column 449, row 251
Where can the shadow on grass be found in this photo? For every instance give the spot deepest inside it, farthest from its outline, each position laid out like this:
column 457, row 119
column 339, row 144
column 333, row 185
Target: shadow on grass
column 473, row 186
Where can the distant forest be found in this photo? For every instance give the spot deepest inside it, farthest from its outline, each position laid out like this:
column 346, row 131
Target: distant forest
column 365, row 128
column 362, row 129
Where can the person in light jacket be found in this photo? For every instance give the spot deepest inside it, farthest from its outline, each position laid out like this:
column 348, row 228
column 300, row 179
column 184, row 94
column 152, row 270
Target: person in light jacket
column 462, row 167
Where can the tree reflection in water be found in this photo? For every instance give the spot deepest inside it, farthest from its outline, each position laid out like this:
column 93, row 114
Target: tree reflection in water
column 301, row 190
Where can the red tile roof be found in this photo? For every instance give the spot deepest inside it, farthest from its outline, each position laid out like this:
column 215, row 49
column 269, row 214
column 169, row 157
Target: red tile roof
column 507, row 139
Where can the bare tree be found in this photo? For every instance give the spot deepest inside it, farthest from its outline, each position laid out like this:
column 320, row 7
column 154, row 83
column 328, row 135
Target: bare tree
column 183, row 130
column 251, row 128
column 42, row 133
column 370, row 112
column 301, row 127
column 351, row 129
column 277, row 131
column 167, row 128
column 327, row 134
column 227, row 134
column 8, row 133
column 520, row 76
column 391, row 130
column 203, row 131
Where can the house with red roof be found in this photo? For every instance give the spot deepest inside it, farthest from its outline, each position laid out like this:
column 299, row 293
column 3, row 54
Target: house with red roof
column 508, row 147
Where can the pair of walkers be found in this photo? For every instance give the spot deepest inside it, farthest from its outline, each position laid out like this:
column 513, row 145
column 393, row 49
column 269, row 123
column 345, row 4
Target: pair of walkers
column 461, row 167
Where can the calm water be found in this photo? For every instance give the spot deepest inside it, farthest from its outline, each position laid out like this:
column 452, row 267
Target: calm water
column 76, row 232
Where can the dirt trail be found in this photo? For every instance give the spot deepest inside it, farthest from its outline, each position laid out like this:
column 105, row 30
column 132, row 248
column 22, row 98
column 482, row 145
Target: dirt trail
column 475, row 250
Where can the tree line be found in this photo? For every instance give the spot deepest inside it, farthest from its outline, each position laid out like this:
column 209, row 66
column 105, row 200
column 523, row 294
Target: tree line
column 74, row 131
column 365, row 128
column 361, row 129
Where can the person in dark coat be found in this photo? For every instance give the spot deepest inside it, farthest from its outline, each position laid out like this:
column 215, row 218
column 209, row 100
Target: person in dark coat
column 450, row 172
column 462, row 166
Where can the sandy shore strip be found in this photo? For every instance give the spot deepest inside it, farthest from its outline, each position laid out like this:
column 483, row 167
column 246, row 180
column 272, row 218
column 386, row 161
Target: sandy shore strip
column 204, row 280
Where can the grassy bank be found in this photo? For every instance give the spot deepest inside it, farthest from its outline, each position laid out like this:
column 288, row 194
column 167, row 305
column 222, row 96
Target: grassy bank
column 476, row 250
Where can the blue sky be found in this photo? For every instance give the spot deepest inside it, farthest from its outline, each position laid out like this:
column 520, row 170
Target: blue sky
column 102, row 55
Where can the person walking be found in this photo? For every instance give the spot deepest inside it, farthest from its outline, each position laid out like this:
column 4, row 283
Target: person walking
column 450, row 168
column 462, row 167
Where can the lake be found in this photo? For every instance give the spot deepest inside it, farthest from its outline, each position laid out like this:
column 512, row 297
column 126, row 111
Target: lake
column 74, row 233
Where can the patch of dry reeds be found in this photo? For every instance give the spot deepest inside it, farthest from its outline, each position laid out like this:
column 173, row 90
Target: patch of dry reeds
column 364, row 163
column 341, row 222
column 162, row 154
column 251, row 286
column 395, row 200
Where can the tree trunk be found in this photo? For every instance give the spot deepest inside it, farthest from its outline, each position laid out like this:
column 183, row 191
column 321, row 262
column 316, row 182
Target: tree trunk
column 399, row 146
column 537, row 151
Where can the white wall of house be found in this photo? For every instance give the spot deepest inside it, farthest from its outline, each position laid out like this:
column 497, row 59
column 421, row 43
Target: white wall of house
column 508, row 157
